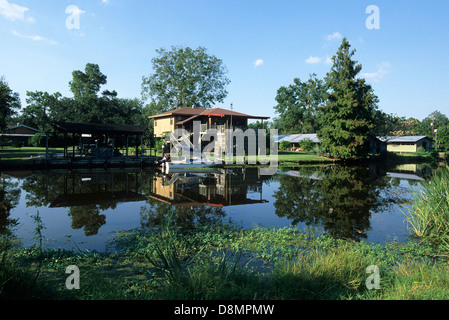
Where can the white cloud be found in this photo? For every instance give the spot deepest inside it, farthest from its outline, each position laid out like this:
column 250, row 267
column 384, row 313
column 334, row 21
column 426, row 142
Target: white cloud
column 382, row 70
column 334, row 36
column 34, row 38
column 12, row 11
column 313, row 60
column 329, row 60
column 258, row 62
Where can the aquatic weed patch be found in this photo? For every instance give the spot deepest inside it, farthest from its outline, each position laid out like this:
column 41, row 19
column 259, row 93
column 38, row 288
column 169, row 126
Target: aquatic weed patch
column 429, row 216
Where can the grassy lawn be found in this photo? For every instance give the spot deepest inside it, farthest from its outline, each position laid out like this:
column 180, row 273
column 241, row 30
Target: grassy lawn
column 300, row 156
column 14, row 154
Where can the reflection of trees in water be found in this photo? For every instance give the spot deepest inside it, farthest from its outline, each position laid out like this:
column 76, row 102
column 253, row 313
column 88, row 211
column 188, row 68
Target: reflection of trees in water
column 185, row 218
column 341, row 201
column 9, row 199
column 85, row 200
column 87, row 217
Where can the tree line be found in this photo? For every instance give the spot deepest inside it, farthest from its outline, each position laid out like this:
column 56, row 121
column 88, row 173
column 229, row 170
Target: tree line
column 341, row 108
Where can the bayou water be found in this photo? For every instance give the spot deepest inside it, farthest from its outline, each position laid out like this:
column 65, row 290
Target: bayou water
column 84, row 209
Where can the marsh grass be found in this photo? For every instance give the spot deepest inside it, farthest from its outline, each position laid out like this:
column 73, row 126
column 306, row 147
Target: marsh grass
column 227, row 262
column 319, row 274
column 188, row 268
column 429, row 216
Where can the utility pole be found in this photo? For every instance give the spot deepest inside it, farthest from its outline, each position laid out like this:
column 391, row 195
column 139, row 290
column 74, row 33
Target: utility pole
column 433, row 127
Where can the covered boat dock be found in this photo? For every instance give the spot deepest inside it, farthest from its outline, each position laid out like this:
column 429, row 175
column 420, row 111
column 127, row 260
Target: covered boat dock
column 94, row 145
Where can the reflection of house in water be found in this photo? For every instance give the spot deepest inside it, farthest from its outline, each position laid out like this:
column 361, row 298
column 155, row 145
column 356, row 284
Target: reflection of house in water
column 410, row 172
column 219, row 187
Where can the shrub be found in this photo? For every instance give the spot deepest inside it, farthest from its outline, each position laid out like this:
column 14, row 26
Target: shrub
column 307, row 144
column 284, row 145
column 318, row 150
column 38, row 140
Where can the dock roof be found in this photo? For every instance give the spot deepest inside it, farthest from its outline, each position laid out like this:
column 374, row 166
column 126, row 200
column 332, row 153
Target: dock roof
column 394, row 139
column 90, row 128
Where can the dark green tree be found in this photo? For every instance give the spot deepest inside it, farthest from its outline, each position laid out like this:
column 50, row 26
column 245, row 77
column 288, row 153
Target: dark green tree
column 87, row 83
column 347, row 119
column 184, row 77
column 37, row 113
column 9, row 102
column 442, row 138
column 435, row 120
column 298, row 103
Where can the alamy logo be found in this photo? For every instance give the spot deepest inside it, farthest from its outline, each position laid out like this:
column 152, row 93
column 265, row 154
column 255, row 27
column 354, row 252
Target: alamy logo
column 373, row 21
column 221, row 145
column 73, row 21
column 72, row 281
column 373, row 281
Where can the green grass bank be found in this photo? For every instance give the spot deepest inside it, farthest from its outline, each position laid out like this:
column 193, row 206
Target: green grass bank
column 227, row 262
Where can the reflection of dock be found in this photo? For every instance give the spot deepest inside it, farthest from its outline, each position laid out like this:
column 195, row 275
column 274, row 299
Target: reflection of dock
column 89, row 199
column 95, row 188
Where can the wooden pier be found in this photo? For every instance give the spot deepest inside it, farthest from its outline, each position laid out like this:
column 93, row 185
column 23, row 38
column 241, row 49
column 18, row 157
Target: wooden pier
column 86, row 162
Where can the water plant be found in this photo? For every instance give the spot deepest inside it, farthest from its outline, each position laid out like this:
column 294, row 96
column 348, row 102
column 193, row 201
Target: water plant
column 429, row 216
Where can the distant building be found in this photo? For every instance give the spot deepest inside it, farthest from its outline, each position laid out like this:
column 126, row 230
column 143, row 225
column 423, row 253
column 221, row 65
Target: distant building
column 19, row 133
column 295, row 139
column 407, row 144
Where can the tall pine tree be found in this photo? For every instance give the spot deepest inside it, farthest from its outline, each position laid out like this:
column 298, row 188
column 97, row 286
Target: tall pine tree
column 347, row 119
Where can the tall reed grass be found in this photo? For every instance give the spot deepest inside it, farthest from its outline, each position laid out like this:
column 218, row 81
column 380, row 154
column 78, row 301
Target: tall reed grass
column 429, row 216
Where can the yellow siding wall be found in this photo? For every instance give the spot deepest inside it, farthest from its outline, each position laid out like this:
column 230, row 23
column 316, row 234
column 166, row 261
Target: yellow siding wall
column 163, row 125
column 401, row 148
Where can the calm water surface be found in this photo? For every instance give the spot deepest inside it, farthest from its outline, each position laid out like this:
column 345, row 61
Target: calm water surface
column 84, row 209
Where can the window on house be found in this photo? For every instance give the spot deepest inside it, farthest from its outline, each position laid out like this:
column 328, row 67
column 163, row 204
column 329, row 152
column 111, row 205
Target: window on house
column 155, row 123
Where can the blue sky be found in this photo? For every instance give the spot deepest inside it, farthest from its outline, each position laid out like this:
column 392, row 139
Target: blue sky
column 264, row 44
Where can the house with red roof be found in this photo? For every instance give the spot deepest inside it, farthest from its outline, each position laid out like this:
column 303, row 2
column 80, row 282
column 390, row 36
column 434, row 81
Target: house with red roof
column 216, row 121
column 216, row 118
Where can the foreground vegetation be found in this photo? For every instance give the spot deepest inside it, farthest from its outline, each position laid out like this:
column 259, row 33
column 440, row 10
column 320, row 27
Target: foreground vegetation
column 430, row 215
column 226, row 262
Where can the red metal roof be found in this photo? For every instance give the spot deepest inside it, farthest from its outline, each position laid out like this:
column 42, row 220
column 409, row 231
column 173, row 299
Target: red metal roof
column 214, row 112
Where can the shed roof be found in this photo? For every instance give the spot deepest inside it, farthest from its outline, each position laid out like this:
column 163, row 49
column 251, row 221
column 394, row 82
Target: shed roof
column 20, row 130
column 12, row 127
column 91, row 128
column 295, row 138
column 393, row 139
